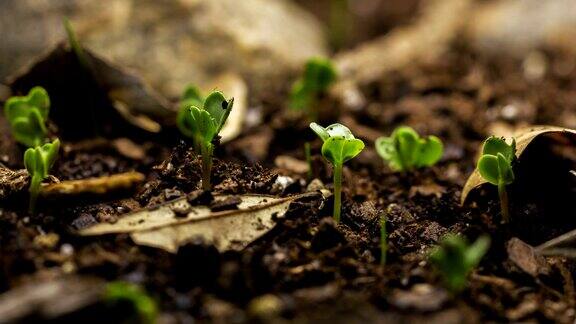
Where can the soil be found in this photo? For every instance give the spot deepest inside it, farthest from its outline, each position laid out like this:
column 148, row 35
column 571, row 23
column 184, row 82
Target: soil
column 307, row 268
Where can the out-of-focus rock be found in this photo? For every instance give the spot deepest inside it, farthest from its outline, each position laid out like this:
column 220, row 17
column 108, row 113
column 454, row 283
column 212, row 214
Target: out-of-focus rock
column 170, row 43
column 518, row 26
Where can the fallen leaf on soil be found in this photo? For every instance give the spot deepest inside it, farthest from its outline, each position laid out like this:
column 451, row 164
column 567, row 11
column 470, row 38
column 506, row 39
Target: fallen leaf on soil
column 291, row 164
column 98, row 186
column 523, row 139
column 563, row 245
column 49, row 299
column 427, row 189
column 421, row 297
column 227, row 230
column 525, row 257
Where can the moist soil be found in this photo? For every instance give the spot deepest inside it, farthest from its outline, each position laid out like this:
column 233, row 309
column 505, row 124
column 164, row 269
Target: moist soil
column 308, row 268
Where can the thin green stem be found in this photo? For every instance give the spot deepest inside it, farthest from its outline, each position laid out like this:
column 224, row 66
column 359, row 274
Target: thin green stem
column 337, row 191
column 35, row 183
column 383, row 240
column 207, row 150
column 504, row 202
column 308, row 154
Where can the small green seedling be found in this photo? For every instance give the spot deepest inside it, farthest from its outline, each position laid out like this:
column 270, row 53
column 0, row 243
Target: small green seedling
column 203, row 124
column 319, row 74
column 143, row 304
column 383, row 240
column 339, row 146
column 495, row 166
column 27, row 116
column 405, row 150
column 38, row 162
column 454, row 259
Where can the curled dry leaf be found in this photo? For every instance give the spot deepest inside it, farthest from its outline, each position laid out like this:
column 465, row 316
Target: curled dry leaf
column 12, row 182
column 228, row 230
column 96, row 186
column 523, row 139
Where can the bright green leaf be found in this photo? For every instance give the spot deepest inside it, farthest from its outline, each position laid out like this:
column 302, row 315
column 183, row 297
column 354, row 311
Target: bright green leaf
column 488, row 168
column 27, row 116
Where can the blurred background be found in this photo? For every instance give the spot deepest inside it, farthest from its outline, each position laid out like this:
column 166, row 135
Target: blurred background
column 175, row 42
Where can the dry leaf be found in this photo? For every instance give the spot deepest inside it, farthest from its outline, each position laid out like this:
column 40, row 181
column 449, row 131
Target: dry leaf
column 98, row 186
column 228, row 230
column 563, row 245
column 523, row 139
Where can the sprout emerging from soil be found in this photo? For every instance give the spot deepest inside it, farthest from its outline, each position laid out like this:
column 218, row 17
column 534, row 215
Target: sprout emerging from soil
column 124, row 292
column 38, row 162
column 495, row 166
column 319, row 74
column 27, row 116
column 203, row 124
column 405, row 150
column 454, row 259
column 339, row 146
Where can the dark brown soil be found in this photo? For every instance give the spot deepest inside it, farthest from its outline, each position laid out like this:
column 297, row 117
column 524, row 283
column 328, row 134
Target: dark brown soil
column 307, row 268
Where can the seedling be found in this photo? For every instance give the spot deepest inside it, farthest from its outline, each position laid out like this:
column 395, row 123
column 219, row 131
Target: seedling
column 38, row 161
column 27, row 116
column 143, row 304
column 405, row 150
column 339, row 146
column 203, row 125
column 383, row 240
column 454, row 259
column 319, row 74
column 495, row 166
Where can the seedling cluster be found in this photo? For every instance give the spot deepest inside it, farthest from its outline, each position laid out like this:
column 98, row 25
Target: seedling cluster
column 455, row 259
column 27, row 116
column 405, row 150
column 319, row 75
column 495, row 166
column 202, row 121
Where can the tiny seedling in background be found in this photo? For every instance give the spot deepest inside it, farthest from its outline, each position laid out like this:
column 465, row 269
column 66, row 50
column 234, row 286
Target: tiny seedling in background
column 339, row 146
column 383, row 239
column 319, row 74
column 27, row 117
column 454, row 259
column 203, row 124
column 144, row 305
column 38, row 162
column 405, row 150
column 495, row 166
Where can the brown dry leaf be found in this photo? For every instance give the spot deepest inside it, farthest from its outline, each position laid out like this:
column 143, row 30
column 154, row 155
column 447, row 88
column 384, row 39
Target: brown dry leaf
column 228, row 230
column 563, row 245
column 98, row 186
column 523, row 138
column 427, row 189
column 526, row 258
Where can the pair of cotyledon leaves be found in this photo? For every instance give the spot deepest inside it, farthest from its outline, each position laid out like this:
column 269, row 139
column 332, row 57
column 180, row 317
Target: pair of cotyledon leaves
column 202, row 119
column 455, row 259
column 406, row 150
column 39, row 160
column 340, row 145
column 27, row 116
column 495, row 164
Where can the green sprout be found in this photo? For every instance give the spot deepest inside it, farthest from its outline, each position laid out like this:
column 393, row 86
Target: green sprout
column 383, row 239
column 38, row 161
column 319, row 74
column 192, row 97
column 405, row 150
column 202, row 125
column 27, row 116
column 143, row 304
column 454, row 259
column 495, row 166
column 339, row 146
